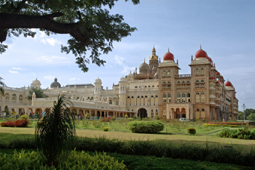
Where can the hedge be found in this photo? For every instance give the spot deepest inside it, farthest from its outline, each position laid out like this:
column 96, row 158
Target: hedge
column 145, row 126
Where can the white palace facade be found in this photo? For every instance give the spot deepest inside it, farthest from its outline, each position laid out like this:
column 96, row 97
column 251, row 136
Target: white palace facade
column 157, row 89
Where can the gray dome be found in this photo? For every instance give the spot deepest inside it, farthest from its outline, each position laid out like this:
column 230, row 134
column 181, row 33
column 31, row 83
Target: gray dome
column 143, row 68
column 55, row 84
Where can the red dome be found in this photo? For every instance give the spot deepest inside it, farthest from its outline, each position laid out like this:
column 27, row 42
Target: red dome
column 221, row 77
column 201, row 53
column 217, row 82
column 228, row 83
column 217, row 73
column 168, row 56
column 211, row 78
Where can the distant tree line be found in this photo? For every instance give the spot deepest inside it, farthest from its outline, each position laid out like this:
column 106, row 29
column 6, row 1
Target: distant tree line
column 249, row 115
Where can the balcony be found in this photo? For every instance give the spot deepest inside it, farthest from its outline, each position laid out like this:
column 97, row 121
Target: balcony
column 183, row 75
column 212, row 96
column 211, row 88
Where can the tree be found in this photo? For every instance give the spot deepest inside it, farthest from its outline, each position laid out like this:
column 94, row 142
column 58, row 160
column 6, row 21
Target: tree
column 251, row 117
column 89, row 22
column 1, row 88
column 55, row 133
column 38, row 92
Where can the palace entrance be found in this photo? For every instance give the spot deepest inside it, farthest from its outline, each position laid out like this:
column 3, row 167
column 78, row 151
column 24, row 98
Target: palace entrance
column 142, row 113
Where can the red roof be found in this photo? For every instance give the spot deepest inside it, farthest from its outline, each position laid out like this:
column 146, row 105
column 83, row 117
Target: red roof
column 211, row 78
column 228, row 83
column 217, row 82
column 168, row 56
column 200, row 53
column 209, row 59
column 217, row 73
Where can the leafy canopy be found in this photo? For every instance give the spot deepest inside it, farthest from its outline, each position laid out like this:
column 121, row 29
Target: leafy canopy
column 38, row 93
column 1, row 86
column 92, row 28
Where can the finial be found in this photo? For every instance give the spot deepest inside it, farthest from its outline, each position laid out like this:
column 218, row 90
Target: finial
column 177, row 61
column 168, row 49
column 144, row 60
column 191, row 57
column 200, row 47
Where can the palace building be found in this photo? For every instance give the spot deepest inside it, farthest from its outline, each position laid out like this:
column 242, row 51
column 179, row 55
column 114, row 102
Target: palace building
column 157, row 89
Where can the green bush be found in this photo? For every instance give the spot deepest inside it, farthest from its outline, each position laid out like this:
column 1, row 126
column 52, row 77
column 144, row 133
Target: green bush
column 23, row 117
column 105, row 128
column 191, row 131
column 76, row 160
column 130, row 119
column 145, row 126
column 96, row 124
column 242, row 133
column 157, row 117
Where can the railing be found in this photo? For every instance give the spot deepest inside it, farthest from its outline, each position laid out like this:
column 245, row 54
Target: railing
column 183, row 75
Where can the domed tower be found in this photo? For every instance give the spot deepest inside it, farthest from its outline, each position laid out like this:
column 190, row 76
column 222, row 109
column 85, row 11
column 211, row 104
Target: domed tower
column 144, row 68
column 122, row 92
column 36, row 83
column 55, row 84
column 98, row 87
column 153, row 61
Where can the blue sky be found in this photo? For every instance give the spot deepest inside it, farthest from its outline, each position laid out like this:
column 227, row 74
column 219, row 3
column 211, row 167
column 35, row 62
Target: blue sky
column 224, row 28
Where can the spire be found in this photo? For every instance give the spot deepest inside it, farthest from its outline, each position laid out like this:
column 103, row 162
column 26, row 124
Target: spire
column 153, row 50
column 177, row 62
column 191, row 57
column 144, row 60
column 168, row 49
column 200, row 47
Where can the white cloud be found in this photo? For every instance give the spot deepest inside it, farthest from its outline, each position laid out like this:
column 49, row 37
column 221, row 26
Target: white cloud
column 17, row 68
column 48, row 77
column 119, row 60
column 52, row 41
column 53, row 59
column 43, row 41
column 13, row 72
column 74, row 79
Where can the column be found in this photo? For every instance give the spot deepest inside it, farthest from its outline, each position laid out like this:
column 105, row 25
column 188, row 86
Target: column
column 187, row 113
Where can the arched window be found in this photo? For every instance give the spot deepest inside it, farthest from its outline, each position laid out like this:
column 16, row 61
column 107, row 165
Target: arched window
column 203, row 97
column 197, row 114
column 168, row 73
column 7, row 96
column 169, row 82
column 110, row 101
column 183, row 95
column 164, row 73
column 164, row 95
column 183, row 81
column 152, row 96
column 164, row 82
column 20, row 98
column 179, row 82
column 169, row 95
column 203, row 113
column 152, row 85
column 128, row 97
column 197, row 97
column 202, row 71
column 132, row 97
column 202, row 81
column 141, row 96
column 138, row 96
column 178, row 95
column 145, row 96
column 188, row 82
column 197, row 71
column 156, row 96
column 188, row 95
column 197, row 81
column 145, row 86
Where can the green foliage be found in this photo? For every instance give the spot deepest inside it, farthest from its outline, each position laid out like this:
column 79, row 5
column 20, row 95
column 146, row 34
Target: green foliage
column 96, row 124
column 157, row 117
column 251, row 117
column 126, row 116
column 55, row 135
column 113, row 118
column 105, row 128
column 1, row 83
column 145, row 126
column 191, row 131
column 38, row 92
column 87, row 116
column 93, row 28
column 76, row 160
column 247, row 112
column 158, row 148
column 130, row 119
column 242, row 133
column 23, row 117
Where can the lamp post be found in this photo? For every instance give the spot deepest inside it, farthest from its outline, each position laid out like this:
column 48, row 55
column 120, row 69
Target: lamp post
column 243, row 112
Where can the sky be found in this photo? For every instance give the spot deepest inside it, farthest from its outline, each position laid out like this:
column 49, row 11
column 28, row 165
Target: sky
column 224, row 28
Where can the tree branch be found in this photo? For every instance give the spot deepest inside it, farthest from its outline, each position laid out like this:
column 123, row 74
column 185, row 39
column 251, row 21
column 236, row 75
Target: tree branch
column 46, row 22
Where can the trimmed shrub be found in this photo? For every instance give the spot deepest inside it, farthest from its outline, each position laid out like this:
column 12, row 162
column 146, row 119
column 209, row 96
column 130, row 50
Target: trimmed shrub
column 76, row 160
column 191, row 131
column 241, row 133
column 105, row 128
column 145, row 126
column 23, row 117
column 130, row 119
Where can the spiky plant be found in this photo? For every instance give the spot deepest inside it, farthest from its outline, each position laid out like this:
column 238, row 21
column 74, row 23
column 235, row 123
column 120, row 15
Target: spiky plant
column 1, row 88
column 55, row 133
